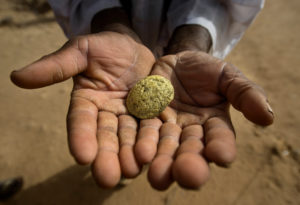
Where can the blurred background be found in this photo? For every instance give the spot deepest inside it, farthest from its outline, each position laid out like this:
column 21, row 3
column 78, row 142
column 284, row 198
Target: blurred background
column 33, row 141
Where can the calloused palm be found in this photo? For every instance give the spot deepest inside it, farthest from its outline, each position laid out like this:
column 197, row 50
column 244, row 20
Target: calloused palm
column 196, row 126
column 104, row 67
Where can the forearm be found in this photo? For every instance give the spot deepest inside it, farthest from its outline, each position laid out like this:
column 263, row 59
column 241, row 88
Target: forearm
column 113, row 19
column 189, row 37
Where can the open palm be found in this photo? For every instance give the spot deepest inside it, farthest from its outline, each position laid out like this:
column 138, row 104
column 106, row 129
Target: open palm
column 196, row 127
column 104, row 67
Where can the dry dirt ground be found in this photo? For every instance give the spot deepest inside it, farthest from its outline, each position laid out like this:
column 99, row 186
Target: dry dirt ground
column 33, row 141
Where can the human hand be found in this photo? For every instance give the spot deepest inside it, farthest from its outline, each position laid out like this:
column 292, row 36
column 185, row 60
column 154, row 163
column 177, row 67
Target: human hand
column 104, row 67
column 196, row 126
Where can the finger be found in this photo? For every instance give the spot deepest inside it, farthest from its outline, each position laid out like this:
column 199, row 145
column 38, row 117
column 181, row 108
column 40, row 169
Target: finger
column 56, row 67
column 146, row 146
column 219, row 141
column 159, row 174
column 127, row 135
column 245, row 96
column 190, row 139
column 82, row 127
column 106, row 167
column 190, row 169
column 168, row 115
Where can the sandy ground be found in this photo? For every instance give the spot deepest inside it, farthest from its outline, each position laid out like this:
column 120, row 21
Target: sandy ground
column 33, row 141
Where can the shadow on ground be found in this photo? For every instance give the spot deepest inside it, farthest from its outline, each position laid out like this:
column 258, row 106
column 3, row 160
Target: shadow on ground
column 72, row 186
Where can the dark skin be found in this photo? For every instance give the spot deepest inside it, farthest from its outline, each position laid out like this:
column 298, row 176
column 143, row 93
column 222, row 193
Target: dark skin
column 194, row 129
column 104, row 66
column 196, row 126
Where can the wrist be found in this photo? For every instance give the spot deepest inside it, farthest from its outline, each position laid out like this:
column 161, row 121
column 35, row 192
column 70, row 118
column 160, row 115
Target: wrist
column 115, row 20
column 189, row 38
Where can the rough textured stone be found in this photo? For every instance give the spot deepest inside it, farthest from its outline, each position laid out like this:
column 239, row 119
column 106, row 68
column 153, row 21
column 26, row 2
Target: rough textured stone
column 149, row 97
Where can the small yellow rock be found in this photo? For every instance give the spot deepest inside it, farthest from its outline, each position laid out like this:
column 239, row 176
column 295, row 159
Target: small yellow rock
column 149, row 97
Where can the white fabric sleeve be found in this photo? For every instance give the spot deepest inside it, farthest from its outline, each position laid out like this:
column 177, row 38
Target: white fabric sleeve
column 75, row 16
column 226, row 20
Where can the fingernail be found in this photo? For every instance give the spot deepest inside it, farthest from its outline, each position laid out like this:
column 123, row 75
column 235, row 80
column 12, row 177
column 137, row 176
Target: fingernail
column 270, row 109
column 18, row 69
column 15, row 71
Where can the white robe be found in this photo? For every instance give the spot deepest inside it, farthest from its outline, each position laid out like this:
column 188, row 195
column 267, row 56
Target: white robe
column 226, row 20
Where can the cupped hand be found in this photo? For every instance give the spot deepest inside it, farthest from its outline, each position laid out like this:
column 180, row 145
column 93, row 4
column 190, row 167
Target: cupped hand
column 104, row 67
column 196, row 128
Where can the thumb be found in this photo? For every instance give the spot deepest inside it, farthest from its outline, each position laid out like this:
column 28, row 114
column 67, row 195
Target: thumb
column 55, row 67
column 246, row 96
